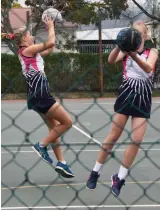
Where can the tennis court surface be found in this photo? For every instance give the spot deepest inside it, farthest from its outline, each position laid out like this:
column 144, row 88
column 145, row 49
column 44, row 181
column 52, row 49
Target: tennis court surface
column 30, row 183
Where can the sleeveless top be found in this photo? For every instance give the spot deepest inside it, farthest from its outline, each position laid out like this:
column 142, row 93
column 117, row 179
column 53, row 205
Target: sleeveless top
column 133, row 70
column 33, row 71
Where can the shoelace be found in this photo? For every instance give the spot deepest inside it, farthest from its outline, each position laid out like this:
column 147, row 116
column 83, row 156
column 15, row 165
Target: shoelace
column 93, row 178
column 67, row 167
column 120, row 183
column 44, row 151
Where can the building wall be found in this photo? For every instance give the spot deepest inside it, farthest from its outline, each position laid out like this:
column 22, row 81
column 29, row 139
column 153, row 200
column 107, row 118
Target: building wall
column 42, row 36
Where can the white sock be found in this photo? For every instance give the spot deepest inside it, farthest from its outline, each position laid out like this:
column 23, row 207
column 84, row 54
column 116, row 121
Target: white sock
column 122, row 172
column 97, row 167
column 64, row 162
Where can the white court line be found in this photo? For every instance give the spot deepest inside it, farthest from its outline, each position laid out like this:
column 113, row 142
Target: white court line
column 82, row 206
column 87, row 135
column 78, row 150
column 93, row 139
column 75, row 185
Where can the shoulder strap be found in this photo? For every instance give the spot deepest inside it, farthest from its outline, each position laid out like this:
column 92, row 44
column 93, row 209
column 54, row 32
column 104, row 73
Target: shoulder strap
column 146, row 52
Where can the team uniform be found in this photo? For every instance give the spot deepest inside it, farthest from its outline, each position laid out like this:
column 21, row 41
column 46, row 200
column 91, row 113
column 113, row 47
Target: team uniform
column 38, row 92
column 39, row 99
column 135, row 93
column 134, row 99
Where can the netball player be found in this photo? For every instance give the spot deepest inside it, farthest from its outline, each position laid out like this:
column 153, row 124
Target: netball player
column 134, row 100
column 39, row 97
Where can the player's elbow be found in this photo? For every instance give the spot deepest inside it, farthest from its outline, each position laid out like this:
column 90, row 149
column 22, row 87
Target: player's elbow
column 149, row 69
column 111, row 61
column 51, row 45
column 51, row 49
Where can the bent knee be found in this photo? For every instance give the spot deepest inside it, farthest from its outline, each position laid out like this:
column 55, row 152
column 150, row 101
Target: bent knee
column 68, row 123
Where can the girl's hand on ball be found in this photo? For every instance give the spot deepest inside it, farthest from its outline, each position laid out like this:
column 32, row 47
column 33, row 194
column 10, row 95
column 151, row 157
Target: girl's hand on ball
column 132, row 54
column 49, row 22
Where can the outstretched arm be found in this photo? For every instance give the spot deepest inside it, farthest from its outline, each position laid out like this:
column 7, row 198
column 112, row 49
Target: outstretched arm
column 48, row 45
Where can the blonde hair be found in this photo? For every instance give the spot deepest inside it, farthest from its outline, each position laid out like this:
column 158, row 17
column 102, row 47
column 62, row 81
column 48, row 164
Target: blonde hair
column 138, row 25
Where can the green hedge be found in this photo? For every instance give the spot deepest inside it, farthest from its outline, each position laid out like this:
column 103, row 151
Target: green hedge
column 66, row 72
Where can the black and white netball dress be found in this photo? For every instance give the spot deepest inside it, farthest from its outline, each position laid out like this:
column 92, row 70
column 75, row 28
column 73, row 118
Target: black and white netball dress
column 38, row 92
column 135, row 93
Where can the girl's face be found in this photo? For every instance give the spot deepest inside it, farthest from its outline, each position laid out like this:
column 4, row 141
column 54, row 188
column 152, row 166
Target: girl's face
column 28, row 38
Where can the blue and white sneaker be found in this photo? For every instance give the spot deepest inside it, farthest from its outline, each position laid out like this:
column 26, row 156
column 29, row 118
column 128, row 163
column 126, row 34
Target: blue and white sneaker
column 42, row 152
column 116, row 184
column 63, row 169
column 92, row 180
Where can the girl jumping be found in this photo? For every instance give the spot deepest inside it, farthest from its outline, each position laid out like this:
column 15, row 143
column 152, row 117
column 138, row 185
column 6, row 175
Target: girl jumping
column 134, row 99
column 39, row 97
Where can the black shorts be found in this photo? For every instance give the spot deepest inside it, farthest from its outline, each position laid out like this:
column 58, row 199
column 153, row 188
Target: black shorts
column 41, row 105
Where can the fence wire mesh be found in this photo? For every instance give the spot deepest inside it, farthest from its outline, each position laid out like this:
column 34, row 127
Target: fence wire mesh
column 30, row 183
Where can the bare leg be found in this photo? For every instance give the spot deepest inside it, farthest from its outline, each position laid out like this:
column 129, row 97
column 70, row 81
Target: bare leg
column 58, row 122
column 57, row 113
column 138, row 130
column 51, row 123
column 118, row 125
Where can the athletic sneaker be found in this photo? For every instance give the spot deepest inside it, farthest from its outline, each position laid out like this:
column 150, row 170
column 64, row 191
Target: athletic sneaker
column 92, row 180
column 42, row 152
column 63, row 169
column 116, row 184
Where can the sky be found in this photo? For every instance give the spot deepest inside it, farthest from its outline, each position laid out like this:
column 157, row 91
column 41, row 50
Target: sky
column 22, row 3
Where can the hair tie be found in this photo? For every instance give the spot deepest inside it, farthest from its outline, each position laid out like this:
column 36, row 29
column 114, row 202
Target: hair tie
column 139, row 22
column 7, row 36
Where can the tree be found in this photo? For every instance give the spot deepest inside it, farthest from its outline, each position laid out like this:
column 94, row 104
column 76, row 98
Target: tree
column 10, row 4
column 153, row 12
column 78, row 11
column 155, row 9
column 6, row 3
column 16, row 5
column 75, row 11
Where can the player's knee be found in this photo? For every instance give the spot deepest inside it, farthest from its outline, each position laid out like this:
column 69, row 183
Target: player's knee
column 113, row 136
column 136, row 139
column 68, row 123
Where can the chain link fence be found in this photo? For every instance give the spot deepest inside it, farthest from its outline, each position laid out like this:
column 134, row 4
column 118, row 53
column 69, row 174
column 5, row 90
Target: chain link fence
column 28, row 182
